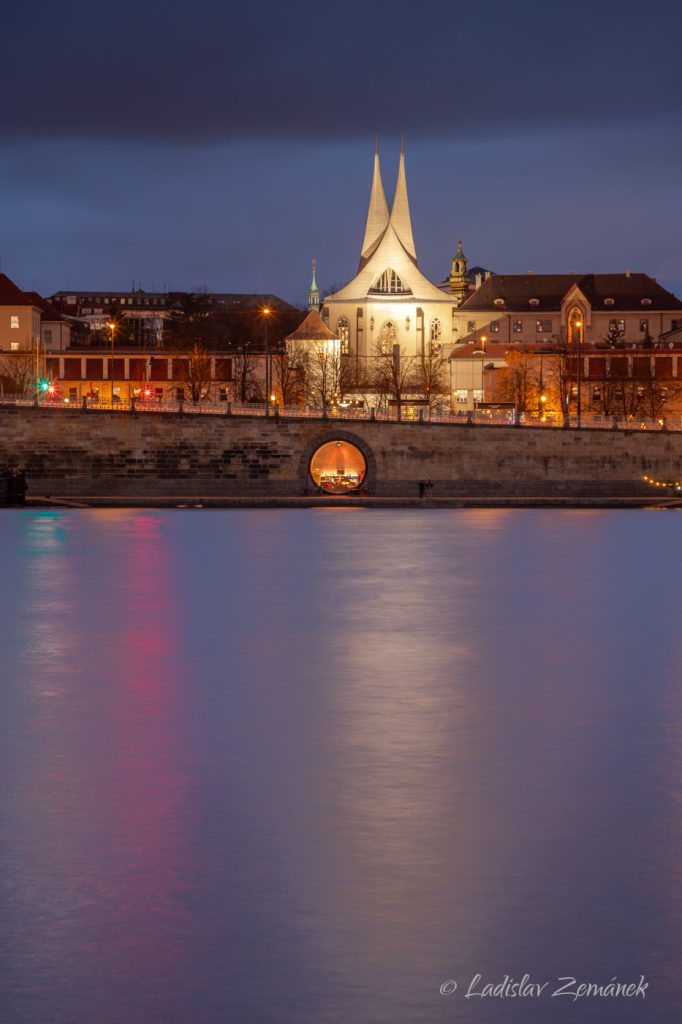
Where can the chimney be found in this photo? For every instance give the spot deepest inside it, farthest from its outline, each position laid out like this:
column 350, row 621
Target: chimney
column 488, row 274
column 478, row 281
column 627, row 273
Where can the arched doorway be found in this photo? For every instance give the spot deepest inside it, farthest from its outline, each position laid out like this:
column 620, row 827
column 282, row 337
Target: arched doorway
column 338, row 467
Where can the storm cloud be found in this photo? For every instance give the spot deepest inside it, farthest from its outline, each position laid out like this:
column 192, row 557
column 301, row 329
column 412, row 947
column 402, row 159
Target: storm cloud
column 209, row 144
column 212, row 71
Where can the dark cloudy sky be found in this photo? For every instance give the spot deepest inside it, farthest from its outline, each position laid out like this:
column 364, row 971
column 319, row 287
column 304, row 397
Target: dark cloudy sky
column 180, row 144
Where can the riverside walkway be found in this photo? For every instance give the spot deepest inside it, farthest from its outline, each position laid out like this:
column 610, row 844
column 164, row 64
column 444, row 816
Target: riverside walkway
column 495, row 418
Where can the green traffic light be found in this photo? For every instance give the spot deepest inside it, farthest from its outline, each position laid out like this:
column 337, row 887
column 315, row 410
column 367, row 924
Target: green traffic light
column 44, row 385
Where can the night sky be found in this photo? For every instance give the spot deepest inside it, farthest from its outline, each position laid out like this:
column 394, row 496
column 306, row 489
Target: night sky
column 184, row 145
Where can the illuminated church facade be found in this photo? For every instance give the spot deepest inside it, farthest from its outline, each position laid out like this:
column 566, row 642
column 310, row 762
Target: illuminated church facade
column 389, row 301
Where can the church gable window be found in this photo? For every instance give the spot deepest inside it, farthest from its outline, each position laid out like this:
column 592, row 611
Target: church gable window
column 389, row 283
column 436, row 335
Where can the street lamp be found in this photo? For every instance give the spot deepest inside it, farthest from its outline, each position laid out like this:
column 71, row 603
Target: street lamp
column 112, row 327
column 579, row 324
column 265, row 313
column 484, row 338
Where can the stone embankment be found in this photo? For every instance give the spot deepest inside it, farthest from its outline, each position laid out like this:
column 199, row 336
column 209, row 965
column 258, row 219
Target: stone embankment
column 171, row 457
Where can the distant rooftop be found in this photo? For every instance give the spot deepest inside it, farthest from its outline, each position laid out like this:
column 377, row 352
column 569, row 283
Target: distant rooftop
column 515, row 292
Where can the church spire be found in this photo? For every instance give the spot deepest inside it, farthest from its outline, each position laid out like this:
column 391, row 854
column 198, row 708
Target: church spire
column 314, row 292
column 377, row 214
column 400, row 213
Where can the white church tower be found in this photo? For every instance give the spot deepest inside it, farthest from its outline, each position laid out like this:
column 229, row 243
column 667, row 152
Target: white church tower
column 389, row 301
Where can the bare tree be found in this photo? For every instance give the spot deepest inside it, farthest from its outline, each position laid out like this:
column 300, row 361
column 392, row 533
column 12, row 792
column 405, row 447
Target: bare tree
column 659, row 396
column 288, row 374
column 247, row 385
column 520, row 381
column 430, row 377
column 195, row 372
column 323, row 373
column 18, row 374
column 393, row 375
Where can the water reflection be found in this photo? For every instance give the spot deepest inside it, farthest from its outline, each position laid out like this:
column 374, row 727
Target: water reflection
column 304, row 767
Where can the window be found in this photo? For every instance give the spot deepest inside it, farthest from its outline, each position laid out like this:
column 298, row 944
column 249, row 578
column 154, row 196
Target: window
column 436, row 335
column 494, row 326
column 517, row 326
column 14, row 323
column 14, row 346
column 596, row 394
column 462, row 396
column 674, row 324
column 73, row 394
column 180, row 394
column 543, row 326
column 617, row 325
column 48, row 337
column 471, row 326
column 478, row 395
column 644, row 326
column 389, row 283
column 158, row 394
column 343, row 331
column 222, row 395
column 388, row 337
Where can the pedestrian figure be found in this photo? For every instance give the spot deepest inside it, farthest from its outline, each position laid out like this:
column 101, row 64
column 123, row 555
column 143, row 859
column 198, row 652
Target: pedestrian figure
column 429, row 490
column 20, row 488
column 422, row 488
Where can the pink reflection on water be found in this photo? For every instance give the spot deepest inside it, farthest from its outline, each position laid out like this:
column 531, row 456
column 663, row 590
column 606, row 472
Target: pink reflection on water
column 101, row 853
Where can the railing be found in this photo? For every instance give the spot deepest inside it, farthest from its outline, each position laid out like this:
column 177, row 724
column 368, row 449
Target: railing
column 494, row 418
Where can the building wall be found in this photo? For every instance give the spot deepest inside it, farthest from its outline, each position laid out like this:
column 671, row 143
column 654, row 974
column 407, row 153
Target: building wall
column 55, row 335
column 596, row 325
column 23, row 336
column 68, row 452
column 365, row 330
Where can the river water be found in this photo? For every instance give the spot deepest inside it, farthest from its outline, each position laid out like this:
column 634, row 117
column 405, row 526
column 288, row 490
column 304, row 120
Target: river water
column 307, row 766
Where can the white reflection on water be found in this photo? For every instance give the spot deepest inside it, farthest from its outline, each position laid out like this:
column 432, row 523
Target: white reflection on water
column 353, row 754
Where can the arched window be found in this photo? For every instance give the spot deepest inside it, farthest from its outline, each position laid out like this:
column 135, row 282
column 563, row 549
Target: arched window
column 436, row 335
column 343, row 332
column 576, row 326
column 388, row 337
column 389, row 283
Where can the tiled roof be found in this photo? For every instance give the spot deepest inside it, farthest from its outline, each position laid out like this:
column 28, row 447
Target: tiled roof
column 10, row 295
column 47, row 310
column 516, row 291
column 496, row 350
column 313, row 328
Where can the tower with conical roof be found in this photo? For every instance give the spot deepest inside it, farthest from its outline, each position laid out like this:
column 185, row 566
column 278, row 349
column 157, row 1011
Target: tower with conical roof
column 458, row 281
column 314, row 292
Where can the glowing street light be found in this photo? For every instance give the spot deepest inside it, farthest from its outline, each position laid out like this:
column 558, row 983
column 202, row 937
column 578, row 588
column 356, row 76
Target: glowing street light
column 265, row 313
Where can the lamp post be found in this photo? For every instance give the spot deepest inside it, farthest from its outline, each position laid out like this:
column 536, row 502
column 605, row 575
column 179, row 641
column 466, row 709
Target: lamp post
column 265, row 312
column 484, row 338
column 112, row 327
column 579, row 325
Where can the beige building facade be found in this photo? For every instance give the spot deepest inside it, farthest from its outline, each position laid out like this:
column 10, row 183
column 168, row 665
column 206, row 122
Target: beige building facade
column 551, row 309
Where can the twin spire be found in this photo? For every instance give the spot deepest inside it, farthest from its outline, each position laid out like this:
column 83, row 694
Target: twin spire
column 378, row 218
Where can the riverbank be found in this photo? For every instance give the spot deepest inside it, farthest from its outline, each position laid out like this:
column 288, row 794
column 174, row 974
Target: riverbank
column 184, row 502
